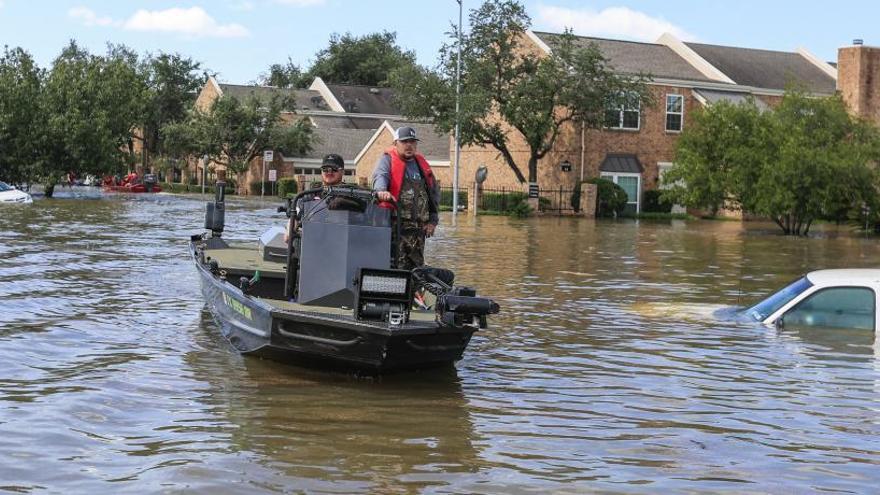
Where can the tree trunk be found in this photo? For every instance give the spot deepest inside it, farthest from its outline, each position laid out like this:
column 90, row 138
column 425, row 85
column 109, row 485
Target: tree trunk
column 533, row 168
column 512, row 164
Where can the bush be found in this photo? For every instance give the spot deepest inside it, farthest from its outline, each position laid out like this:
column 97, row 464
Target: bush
column 520, row 210
column 610, row 198
column 503, row 202
column 446, row 197
column 256, row 187
column 544, row 204
column 286, row 187
column 655, row 203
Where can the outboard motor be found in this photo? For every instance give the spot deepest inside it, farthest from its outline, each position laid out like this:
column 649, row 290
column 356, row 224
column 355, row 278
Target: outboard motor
column 456, row 306
column 215, row 214
column 149, row 182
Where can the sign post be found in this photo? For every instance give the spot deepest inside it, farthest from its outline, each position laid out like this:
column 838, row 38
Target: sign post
column 268, row 156
column 273, row 177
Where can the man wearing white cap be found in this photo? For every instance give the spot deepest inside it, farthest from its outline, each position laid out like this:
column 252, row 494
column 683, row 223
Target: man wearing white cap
column 403, row 175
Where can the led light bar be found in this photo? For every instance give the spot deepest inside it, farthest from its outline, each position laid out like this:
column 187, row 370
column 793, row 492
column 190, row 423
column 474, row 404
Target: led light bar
column 384, row 284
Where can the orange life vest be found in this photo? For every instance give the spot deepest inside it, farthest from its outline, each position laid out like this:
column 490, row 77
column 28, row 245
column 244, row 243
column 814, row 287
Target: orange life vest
column 398, row 167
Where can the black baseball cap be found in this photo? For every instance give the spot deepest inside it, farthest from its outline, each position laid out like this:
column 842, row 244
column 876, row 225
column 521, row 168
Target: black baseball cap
column 333, row 160
column 405, row 134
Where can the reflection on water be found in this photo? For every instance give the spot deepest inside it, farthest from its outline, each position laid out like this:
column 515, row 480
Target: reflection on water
column 607, row 370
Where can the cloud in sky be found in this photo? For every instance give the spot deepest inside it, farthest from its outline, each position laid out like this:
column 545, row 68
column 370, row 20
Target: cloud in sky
column 193, row 21
column 89, row 17
column 612, row 22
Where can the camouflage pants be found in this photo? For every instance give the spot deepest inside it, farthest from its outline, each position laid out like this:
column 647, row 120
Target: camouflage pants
column 409, row 248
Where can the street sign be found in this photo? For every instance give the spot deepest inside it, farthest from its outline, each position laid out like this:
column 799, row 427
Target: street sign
column 533, row 189
column 268, row 156
column 273, row 175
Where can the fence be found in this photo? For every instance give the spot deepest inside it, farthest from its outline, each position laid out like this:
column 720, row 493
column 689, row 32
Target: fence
column 503, row 200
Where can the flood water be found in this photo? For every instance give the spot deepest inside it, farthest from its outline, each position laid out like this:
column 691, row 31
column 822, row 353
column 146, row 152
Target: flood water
column 605, row 372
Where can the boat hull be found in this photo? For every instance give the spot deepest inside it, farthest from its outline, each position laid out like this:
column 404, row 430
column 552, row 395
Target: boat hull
column 254, row 326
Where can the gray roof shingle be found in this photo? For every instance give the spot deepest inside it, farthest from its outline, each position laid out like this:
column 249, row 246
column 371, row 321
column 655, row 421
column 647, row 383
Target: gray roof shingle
column 343, row 121
column 631, row 57
column 364, row 99
column 432, row 145
column 345, row 142
column 305, row 99
column 766, row 68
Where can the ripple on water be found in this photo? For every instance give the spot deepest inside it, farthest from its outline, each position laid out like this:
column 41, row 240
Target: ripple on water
column 606, row 370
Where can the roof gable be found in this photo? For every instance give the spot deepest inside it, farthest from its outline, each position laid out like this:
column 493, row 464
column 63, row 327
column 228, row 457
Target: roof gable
column 631, row 57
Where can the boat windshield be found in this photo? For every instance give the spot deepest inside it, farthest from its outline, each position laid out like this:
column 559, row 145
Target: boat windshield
column 769, row 305
column 5, row 187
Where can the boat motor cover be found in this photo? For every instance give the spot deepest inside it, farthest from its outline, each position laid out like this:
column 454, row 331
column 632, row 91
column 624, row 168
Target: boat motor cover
column 335, row 245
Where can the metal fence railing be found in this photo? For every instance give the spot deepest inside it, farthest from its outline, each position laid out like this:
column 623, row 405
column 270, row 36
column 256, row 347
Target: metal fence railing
column 503, row 200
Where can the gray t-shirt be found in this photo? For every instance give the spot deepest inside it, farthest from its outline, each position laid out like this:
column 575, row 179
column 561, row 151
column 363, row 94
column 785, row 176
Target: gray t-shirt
column 382, row 178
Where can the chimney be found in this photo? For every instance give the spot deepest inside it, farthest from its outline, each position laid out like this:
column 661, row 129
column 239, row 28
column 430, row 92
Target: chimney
column 858, row 79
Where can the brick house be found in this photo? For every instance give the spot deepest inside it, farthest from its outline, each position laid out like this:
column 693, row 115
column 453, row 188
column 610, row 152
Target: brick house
column 635, row 147
column 350, row 120
column 638, row 143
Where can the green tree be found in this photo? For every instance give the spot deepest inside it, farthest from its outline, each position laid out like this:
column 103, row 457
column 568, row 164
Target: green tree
column 91, row 104
column 232, row 133
column 716, row 154
column 365, row 60
column 287, row 75
column 806, row 159
column 21, row 119
column 820, row 164
column 505, row 87
column 172, row 83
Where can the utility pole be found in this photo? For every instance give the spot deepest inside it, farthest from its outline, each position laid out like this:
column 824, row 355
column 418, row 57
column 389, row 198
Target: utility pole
column 457, row 121
column 204, row 172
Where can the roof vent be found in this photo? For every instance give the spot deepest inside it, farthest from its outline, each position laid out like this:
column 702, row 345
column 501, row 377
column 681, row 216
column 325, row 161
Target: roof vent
column 858, row 41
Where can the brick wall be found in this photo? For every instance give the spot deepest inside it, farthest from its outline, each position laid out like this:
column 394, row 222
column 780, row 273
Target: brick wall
column 364, row 167
column 651, row 144
column 207, row 96
column 858, row 76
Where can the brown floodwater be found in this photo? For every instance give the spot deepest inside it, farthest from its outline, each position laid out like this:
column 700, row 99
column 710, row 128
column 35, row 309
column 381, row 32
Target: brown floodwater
column 606, row 371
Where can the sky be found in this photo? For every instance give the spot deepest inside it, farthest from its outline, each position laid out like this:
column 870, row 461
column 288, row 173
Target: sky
column 240, row 39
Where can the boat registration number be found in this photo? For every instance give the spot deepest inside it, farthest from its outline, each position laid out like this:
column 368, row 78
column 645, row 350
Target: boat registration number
column 238, row 307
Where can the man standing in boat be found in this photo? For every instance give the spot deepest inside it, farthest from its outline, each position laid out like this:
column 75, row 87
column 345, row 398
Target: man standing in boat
column 403, row 175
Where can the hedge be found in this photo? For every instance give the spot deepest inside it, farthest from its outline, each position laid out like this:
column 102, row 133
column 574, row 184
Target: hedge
column 654, row 202
column 286, row 186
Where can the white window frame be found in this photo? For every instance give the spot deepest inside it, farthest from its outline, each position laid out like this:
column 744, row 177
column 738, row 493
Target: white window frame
column 620, row 113
column 668, row 113
column 614, row 176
